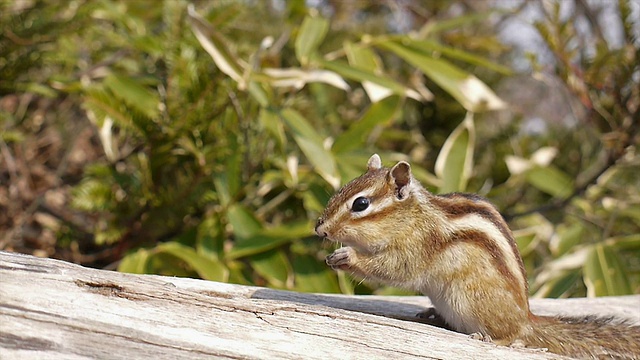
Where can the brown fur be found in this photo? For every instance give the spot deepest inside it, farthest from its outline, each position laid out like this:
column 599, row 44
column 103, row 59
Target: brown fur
column 410, row 238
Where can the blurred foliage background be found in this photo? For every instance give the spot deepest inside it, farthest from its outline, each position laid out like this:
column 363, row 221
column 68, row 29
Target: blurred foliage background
column 203, row 138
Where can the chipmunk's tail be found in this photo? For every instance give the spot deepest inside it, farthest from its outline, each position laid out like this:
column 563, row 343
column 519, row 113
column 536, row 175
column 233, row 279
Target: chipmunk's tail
column 585, row 337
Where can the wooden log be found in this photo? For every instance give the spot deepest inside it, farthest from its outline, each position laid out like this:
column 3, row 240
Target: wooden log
column 57, row 310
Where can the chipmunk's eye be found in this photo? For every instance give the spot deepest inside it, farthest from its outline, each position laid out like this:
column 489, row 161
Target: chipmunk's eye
column 360, row 204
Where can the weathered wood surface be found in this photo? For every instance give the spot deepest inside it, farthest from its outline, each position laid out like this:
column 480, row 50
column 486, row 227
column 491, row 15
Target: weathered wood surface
column 56, row 310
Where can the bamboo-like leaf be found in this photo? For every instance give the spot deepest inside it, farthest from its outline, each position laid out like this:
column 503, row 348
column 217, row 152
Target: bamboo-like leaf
column 455, row 160
column 273, row 125
column 244, row 224
column 364, row 58
column 469, row 91
column 311, row 276
column 378, row 113
column 430, row 46
column 206, row 267
column 272, row 265
column 457, row 22
column 363, row 75
column 567, row 237
column 559, row 285
column 213, row 44
column 312, row 32
column 625, row 242
column 269, row 239
column 604, row 274
column 310, row 143
column 298, row 78
column 134, row 94
column 135, row 263
column 550, row 180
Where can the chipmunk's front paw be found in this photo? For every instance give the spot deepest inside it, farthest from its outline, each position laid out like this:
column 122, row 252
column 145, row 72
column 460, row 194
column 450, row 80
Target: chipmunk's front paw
column 341, row 259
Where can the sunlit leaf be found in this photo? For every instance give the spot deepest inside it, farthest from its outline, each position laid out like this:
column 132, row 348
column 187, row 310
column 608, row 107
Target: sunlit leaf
column 312, row 276
column 315, row 198
column 550, row 180
column 206, row 267
column 213, row 44
column 525, row 239
column 298, row 78
column 455, row 160
column 378, row 113
column 363, row 75
column 364, row 58
column 604, row 274
column 274, row 126
column 135, row 263
column 272, row 265
column 269, row 239
column 625, row 242
column 468, row 90
column 134, row 94
column 311, row 145
column 457, row 21
column 427, row 46
column 560, row 285
column 311, row 33
column 567, row 237
column 210, row 237
column 243, row 222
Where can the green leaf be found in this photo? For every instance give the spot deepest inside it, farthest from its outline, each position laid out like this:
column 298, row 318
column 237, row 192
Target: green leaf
column 273, row 266
column 429, row 46
column 560, row 285
column 525, row 238
column 604, row 274
column 271, row 122
column 363, row 75
column 134, row 94
column 135, row 263
column 455, row 160
column 206, row 267
column 310, row 36
column 103, row 105
column 457, row 22
column 210, row 237
column 255, row 245
column 356, row 136
column 363, row 57
column 469, row 91
column 311, row 145
column 213, row 43
column 550, row 180
column 568, row 238
column 312, row 276
column 625, row 242
column 298, row 78
column 315, row 198
column 269, row 239
column 244, row 224
column 258, row 93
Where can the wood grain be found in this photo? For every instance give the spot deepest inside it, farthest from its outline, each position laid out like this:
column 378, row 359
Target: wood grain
column 56, row 310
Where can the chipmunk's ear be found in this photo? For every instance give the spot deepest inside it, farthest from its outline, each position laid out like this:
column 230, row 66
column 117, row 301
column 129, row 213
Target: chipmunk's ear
column 374, row 162
column 400, row 175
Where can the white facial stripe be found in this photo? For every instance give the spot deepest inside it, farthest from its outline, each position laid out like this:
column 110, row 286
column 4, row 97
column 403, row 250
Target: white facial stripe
column 376, row 206
column 477, row 223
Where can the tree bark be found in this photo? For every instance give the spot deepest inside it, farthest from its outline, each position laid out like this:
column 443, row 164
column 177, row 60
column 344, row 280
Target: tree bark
column 57, row 310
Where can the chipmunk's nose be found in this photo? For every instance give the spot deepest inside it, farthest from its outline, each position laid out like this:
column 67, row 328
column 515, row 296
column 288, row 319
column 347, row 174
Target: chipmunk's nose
column 318, row 225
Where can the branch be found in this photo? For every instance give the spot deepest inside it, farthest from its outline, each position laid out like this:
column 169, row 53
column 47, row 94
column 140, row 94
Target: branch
column 56, row 310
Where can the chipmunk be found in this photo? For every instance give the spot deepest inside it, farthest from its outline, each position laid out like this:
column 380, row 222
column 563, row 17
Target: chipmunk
column 457, row 250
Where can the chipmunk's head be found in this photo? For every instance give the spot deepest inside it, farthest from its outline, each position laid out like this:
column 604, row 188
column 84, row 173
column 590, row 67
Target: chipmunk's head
column 368, row 207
